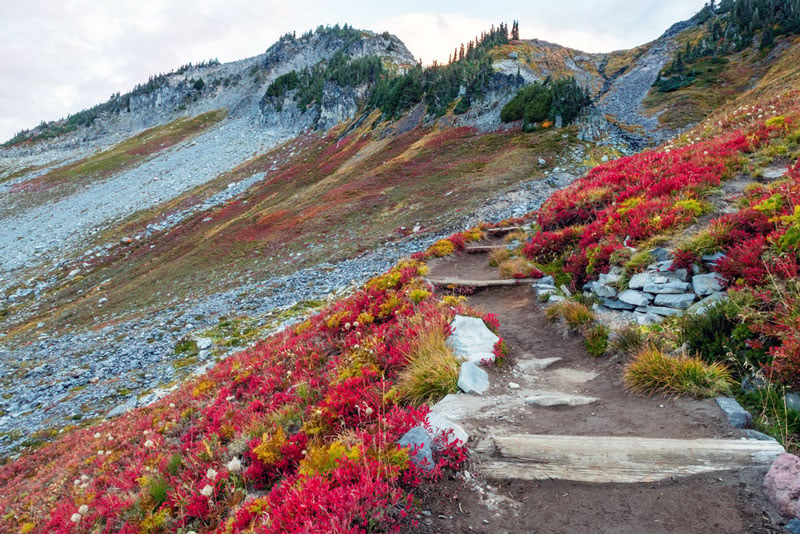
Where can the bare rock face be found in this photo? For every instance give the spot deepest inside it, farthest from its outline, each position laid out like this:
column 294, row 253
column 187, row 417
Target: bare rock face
column 782, row 485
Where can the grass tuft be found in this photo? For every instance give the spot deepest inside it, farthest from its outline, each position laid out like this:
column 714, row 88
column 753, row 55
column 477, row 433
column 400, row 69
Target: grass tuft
column 432, row 370
column 574, row 313
column 652, row 372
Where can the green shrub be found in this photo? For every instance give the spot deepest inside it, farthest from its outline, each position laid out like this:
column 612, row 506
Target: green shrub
column 596, row 340
column 720, row 334
column 629, row 339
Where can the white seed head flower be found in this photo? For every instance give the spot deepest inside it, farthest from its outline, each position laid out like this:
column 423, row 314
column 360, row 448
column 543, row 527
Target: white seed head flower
column 97, row 435
column 207, row 491
column 149, row 444
column 76, row 517
column 368, row 411
column 235, row 465
column 83, row 510
column 211, row 474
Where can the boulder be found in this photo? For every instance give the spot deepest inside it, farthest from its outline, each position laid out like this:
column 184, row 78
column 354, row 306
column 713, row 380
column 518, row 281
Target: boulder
column 706, row 284
column 638, row 280
column 782, row 484
column 603, row 291
column 471, row 339
column 609, row 278
column 700, row 308
column 680, row 301
column 472, row 379
column 420, row 442
column 445, row 431
column 546, row 281
column 713, row 258
column 737, row 416
column 635, row 298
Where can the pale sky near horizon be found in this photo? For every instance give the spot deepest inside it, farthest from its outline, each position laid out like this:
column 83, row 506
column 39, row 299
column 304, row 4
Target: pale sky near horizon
column 61, row 56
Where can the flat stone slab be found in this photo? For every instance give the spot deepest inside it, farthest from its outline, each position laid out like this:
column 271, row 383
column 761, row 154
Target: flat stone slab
column 472, row 379
column 620, row 459
column 537, row 364
column 457, row 406
column 548, row 399
column 660, row 310
column 672, row 286
column 635, row 298
column 614, row 304
column 682, row 301
column 471, row 339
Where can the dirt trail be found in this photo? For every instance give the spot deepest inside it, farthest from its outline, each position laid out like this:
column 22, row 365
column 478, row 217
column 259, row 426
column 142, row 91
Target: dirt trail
column 722, row 501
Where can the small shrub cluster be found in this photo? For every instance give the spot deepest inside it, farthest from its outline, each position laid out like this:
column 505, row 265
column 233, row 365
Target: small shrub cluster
column 581, row 320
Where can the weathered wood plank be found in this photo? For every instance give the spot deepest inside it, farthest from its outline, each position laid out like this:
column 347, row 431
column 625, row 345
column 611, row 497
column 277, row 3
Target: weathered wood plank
column 460, row 282
column 476, row 249
column 620, row 459
column 502, row 229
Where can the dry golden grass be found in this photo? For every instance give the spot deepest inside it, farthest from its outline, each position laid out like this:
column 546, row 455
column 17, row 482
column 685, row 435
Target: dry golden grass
column 652, row 372
column 432, row 370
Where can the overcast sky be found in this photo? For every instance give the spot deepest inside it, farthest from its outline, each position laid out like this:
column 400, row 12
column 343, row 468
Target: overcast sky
column 60, row 56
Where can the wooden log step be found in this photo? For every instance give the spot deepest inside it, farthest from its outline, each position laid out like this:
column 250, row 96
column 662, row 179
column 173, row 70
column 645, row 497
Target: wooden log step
column 502, row 230
column 482, row 248
column 459, row 282
column 620, row 459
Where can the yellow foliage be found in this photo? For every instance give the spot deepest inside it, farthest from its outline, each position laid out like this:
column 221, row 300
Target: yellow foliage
column 27, row 527
column 418, row 295
column 453, row 300
column 335, row 320
column 365, row 318
column 155, row 522
column 269, row 451
column 473, row 234
column 323, row 459
column 392, row 304
column 443, row 247
column 302, row 327
column 202, row 387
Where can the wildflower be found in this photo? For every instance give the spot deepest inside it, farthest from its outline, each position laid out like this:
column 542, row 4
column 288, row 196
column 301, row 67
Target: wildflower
column 149, row 444
column 83, row 510
column 368, row 411
column 211, row 474
column 347, row 326
column 171, row 404
column 76, row 482
column 76, row 517
column 97, row 435
column 207, row 491
column 110, row 437
column 235, row 466
column 355, row 324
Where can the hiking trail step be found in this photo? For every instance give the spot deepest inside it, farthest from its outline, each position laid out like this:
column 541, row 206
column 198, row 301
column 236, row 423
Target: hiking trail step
column 460, row 282
column 618, row 459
